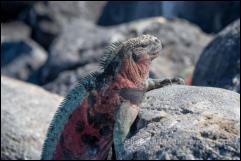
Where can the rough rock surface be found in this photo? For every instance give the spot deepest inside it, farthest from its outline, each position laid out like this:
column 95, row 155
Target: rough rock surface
column 26, row 111
column 182, row 45
column 186, row 122
column 219, row 64
column 20, row 56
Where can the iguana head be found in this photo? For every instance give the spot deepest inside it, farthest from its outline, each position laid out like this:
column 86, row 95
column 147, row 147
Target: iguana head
column 145, row 46
column 132, row 58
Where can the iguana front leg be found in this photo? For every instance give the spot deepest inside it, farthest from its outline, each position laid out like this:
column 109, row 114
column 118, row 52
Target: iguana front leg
column 159, row 83
column 124, row 117
column 127, row 112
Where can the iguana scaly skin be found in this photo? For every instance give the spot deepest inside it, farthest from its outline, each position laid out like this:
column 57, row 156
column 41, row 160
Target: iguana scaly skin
column 104, row 105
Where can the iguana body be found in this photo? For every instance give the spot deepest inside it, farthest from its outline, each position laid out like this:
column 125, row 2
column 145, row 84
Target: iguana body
column 104, row 105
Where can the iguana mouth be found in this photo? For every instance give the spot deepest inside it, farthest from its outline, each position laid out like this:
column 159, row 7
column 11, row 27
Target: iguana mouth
column 156, row 53
column 155, row 49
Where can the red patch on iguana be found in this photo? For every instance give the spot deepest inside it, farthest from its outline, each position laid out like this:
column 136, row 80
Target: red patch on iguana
column 93, row 138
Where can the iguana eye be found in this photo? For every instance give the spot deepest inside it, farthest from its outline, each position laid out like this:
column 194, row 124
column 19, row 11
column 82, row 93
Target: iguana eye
column 134, row 57
column 143, row 45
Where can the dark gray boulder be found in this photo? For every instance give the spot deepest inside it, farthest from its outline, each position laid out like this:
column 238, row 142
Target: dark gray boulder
column 219, row 64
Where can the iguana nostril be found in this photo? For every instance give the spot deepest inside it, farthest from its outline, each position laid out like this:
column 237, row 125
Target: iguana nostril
column 157, row 41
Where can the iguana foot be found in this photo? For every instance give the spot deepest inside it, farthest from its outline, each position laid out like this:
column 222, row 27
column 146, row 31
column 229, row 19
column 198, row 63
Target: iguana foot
column 159, row 83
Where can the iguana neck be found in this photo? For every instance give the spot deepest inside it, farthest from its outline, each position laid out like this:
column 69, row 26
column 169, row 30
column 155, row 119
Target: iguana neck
column 120, row 80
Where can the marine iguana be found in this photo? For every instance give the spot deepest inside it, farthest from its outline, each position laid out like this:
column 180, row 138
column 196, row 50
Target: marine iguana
column 102, row 107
